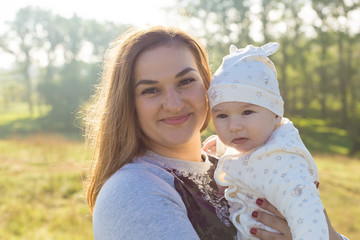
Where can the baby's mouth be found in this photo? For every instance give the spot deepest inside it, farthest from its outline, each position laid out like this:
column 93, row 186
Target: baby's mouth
column 240, row 141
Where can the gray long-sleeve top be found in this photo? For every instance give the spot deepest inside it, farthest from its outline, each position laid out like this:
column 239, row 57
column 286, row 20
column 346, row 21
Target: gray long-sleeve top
column 141, row 201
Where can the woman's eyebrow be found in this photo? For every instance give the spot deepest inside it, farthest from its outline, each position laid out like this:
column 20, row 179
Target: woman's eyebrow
column 146, row 82
column 183, row 72
column 180, row 74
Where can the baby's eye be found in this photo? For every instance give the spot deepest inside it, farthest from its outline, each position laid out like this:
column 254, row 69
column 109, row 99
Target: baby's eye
column 221, row 115
column 149, row 91
column 247, row 112
column 186, row 81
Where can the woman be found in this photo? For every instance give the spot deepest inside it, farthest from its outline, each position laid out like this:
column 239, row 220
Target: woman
column 150, row 179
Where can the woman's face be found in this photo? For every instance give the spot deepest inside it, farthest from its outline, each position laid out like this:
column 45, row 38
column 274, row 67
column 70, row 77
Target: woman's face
column 169, row 97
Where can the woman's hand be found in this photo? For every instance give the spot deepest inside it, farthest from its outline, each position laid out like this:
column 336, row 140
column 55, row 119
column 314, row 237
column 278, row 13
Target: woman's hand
column 279, row 223
column 276, row 221
column 333, row 235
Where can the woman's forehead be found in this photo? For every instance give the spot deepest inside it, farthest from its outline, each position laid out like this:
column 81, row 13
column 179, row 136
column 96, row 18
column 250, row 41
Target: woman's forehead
column 164, row 61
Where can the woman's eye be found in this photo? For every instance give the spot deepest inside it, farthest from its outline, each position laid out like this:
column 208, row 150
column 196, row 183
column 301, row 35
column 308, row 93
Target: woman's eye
column 221, row 116
column 149, row 91
column 247, row 112
column 186, row 81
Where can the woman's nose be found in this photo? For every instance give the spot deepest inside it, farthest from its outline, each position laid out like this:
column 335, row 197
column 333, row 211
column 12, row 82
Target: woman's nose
column 173, row 101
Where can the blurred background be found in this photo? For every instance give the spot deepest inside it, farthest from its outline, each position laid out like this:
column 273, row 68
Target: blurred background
column 51, row 54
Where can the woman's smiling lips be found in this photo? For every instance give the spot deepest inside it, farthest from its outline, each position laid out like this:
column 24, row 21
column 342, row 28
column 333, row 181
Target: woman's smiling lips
column 239, row 140
column 177, row 120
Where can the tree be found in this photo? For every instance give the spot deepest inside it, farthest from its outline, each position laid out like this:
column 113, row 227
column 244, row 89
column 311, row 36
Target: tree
column 266, row 7
column 59, row 58
column 52, row 41
column 24, row 31
column 345, row 45
column 348, row 83
column 99, row 35
column 221, row 22
column 324, row 40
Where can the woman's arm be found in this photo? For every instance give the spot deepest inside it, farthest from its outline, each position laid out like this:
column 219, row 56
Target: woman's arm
column 279, row 223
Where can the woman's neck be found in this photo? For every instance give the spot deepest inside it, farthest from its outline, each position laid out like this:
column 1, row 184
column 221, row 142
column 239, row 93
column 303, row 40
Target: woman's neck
column 190, row 151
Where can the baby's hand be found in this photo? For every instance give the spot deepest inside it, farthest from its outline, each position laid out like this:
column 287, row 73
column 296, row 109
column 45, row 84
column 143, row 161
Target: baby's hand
column 209, row 145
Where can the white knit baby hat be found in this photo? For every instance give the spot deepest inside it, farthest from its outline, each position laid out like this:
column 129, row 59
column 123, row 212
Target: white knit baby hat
column 247, row 75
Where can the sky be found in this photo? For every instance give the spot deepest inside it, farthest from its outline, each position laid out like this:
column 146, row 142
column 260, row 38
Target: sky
column 137, row 12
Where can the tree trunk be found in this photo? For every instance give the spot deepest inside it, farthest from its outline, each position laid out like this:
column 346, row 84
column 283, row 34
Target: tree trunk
column 27, row 79
column 342, row 78
column 353, row 126
column 306, row 88
column 264, row 19
column 323, row 83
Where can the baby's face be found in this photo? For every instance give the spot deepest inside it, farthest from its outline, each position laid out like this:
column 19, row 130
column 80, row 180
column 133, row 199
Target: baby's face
column 243, row 126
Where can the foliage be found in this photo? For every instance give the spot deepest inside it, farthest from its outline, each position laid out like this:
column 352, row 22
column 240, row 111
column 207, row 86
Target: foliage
column 57, row 61
column 66, row 95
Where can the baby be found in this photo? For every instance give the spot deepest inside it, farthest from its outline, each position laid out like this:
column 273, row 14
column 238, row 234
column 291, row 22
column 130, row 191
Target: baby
column 264, row 157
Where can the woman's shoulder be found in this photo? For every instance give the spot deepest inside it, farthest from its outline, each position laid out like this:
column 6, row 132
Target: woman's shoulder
column 132, row 197
column 135, row 177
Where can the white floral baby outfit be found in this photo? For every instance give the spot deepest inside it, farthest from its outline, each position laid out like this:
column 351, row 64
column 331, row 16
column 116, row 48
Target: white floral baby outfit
column 282, row 171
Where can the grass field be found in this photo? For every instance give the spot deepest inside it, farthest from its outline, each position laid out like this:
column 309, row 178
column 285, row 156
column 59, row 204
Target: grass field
column 41, row 190
column 340, row 192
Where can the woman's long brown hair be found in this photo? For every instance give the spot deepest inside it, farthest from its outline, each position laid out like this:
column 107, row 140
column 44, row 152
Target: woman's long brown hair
column 112, row 126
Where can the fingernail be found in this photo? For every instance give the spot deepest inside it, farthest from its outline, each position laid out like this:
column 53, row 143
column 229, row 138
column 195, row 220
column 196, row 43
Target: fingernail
column 253, row 231
column 255, row 214
column 259, row 201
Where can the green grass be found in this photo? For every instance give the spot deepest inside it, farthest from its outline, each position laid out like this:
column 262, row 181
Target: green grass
column 18, row 111
column 42, row 198
column 340, row 192
column 320, row 137
column 41, row 189
column 15, row 119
